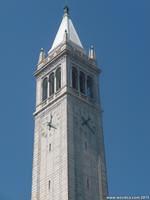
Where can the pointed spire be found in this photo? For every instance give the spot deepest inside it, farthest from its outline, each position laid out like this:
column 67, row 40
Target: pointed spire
column 92, row 54
column 66, row 25
column 41, row 56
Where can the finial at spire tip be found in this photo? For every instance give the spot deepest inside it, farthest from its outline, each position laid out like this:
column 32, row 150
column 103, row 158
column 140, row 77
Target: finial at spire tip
column 66, row 10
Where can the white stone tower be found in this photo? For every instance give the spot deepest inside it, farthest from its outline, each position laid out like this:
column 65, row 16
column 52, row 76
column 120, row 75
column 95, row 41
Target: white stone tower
column 69, row 160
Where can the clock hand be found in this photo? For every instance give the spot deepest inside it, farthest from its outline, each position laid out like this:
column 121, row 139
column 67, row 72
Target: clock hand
column 89, row 119
column 90, row 128
column 49, row 124
column 85, row 121
column 51, row 117
column 82, row 120
column 52, row 126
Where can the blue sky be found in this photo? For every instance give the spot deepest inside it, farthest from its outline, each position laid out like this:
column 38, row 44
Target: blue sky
column 120, row 31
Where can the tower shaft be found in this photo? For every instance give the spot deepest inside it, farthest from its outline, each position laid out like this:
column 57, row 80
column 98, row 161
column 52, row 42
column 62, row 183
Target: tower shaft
column 69, row 158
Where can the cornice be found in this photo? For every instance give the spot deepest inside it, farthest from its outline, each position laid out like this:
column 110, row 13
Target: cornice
column 67, row 94
column 67, row 49
column 49, row 104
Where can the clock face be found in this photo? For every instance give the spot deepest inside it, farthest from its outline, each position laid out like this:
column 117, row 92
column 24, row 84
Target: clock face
column 86, row 119
column 49, row 125
column 89, row 123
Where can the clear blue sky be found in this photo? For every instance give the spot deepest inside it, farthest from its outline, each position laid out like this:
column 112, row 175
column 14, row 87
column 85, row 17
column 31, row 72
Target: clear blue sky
column 120, row 31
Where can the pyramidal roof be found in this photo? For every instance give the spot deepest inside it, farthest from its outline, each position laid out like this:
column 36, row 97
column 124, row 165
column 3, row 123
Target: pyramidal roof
column 66, row 26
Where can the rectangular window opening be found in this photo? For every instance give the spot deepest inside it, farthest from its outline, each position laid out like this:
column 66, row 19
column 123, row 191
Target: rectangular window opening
column 88, row 184
column 86, row 145
column 50, row 147
column 49, row 184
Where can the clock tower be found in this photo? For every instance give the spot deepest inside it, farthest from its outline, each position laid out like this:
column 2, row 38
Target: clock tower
column 69, row 158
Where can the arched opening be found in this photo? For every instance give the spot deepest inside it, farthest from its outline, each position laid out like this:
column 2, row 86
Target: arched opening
column 75, row 78
column 51, row 84
column 44, row 89
column 58, row 79
column 82, row 82
column 90, row 92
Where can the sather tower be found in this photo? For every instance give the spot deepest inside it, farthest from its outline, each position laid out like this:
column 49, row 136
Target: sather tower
column 69, row 160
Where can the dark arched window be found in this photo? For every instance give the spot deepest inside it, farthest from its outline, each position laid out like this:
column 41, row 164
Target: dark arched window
column 82, row 82
column 44, row 89
column 90, row 87
column 74, row 78
column 58, row 79
column 51, row 84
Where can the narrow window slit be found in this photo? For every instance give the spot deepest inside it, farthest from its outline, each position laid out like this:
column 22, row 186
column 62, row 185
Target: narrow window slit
column 50, row 147
column 88, row 184
column 49, row 184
